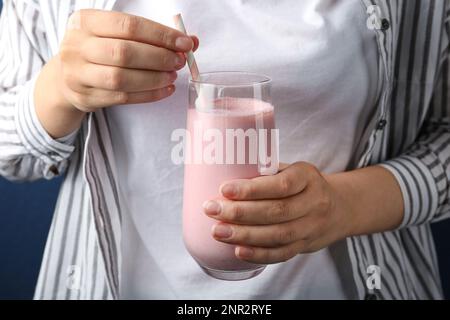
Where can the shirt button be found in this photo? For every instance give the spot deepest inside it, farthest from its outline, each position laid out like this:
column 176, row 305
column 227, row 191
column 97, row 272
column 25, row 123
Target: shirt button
column 381, row 124
column 370, row 296
column 385, row 24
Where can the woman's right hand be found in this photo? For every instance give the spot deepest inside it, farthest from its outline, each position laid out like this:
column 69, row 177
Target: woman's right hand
column 105, row 59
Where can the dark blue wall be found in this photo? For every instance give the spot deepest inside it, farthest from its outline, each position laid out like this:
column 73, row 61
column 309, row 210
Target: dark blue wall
column 25, row 215
column 441, row 233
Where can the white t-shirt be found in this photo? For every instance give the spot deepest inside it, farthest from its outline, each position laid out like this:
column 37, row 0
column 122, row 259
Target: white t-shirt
column 324, row 65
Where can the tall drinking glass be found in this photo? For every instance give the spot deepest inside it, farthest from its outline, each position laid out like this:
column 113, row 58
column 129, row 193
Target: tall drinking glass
column 230, row 135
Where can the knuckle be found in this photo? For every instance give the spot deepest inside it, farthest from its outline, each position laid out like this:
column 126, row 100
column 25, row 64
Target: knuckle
column 161, row 79
column 81, row 12
column 114, row 79
column 163, row 36
column 76, row 17
column 312, row 170
column 129, row 25
column 121, row 97
column 285, row 236
column 285, row 184
column 307, row 166
column 69, row 80
column 65, row 53
column 80, row 100
column 290, row 235
column 242, row 235
column 279, row 211
column 307, row 170
column 167, row 60
column 121, row 53
column 247, row 191
column 76, row 14
column 237, row 213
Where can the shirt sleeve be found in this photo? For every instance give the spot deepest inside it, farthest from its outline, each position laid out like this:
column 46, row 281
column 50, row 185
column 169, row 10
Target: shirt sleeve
column 27, row 151
column 423, row 172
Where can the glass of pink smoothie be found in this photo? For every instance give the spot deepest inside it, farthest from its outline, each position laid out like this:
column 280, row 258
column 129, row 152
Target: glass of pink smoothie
column 230, row 135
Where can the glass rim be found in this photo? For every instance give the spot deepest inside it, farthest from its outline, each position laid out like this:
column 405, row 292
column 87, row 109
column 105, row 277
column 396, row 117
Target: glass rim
column 263, row 79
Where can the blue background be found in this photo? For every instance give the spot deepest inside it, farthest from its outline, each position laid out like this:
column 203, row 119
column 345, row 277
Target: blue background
column 25, row 217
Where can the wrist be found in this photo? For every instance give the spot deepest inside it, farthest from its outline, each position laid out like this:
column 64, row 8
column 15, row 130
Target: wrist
column 345, row 205
column 372, row 200
column 56, row 114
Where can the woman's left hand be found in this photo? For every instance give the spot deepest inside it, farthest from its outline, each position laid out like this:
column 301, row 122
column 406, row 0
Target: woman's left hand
column 271, row 219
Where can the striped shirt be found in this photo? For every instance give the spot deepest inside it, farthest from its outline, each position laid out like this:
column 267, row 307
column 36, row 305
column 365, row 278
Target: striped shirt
column 408, row 133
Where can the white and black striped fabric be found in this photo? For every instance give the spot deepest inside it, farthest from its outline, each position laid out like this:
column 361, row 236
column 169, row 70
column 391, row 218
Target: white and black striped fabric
column 409, row 134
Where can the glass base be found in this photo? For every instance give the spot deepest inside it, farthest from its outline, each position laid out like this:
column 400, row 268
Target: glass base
column 233, row 275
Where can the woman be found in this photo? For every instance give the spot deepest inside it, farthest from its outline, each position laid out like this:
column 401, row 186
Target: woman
column 361, row 96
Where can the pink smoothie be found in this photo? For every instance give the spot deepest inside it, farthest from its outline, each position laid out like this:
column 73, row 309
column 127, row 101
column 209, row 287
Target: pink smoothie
column 202, row 180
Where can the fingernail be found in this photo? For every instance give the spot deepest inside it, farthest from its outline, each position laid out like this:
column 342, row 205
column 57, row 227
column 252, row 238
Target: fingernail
column 230, row 190
column 179, row 61
column 222, row 231
column 173, row 76
column 245, row 252
column 184, row 43
column 212, row 208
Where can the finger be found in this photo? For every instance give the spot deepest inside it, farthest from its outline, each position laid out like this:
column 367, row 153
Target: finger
column 262, row 212
column 131, row 54
column 270, row 236
column 118, row 25
column 288, row 182
column 270, row 255
column 282, row 166
column 94, row 98
column 123, row 79
column 196, row 43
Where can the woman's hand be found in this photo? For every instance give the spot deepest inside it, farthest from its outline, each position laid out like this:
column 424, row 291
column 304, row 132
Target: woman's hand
column 271, row 219
column 110, row 58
